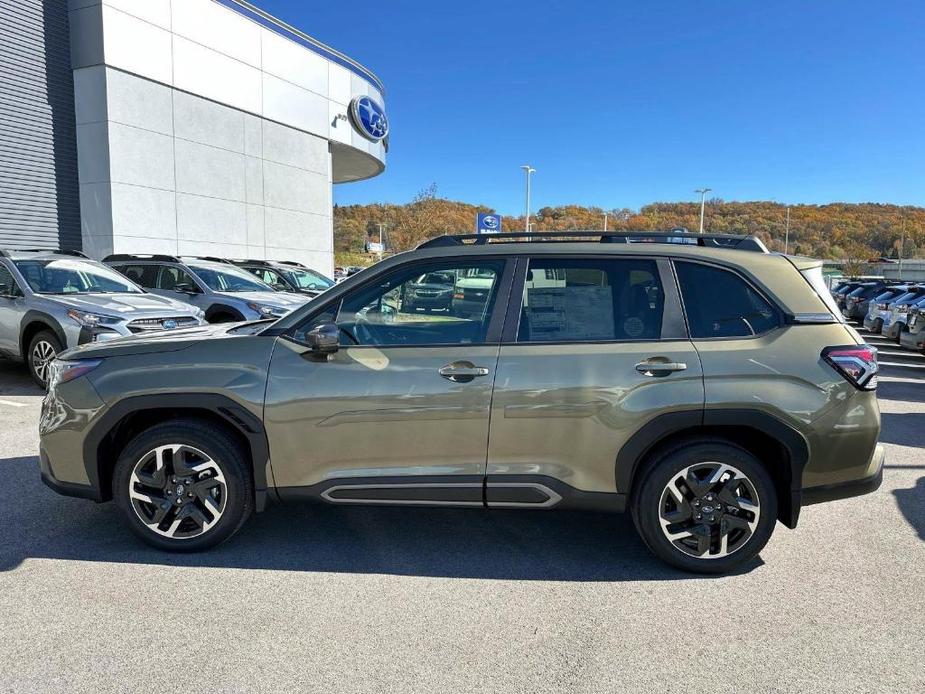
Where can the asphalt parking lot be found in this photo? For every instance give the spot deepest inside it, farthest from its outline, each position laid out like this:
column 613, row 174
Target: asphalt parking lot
column 314, row 598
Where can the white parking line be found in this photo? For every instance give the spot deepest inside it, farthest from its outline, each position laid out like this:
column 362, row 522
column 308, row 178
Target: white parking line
column 10, row 403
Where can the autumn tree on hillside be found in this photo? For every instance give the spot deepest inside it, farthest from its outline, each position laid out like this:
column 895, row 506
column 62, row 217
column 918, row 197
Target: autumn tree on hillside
column 838, row 231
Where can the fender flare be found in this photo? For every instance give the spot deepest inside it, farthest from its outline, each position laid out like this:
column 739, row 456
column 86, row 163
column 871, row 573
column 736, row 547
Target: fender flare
column 36, row 316
column 237, row 416
column 660, row 428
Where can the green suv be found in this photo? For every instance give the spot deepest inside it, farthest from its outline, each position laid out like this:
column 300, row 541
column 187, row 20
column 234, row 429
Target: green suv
column 705, row 385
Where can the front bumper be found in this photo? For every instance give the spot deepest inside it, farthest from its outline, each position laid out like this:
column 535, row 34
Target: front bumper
column 850, row 488
column 872, row 323
column 81, row 491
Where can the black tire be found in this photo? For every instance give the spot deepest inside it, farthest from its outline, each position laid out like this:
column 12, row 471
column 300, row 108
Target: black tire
column 41, row 341
column 648, row 500
column 226, row 454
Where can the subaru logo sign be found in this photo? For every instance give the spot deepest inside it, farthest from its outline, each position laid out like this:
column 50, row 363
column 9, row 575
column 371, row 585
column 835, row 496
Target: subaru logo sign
column 169, row 324
column 487, row 223
column 368, row 118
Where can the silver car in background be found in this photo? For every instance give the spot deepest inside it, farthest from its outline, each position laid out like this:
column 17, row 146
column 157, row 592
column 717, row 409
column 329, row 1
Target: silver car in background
column 225, row 293
column 54, row 300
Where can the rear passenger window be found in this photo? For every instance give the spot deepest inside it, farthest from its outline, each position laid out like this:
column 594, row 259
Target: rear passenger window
column 591, row 300
column 719, row 303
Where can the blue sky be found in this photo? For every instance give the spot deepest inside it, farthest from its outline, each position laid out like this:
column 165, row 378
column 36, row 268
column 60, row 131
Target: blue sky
column 624, row 103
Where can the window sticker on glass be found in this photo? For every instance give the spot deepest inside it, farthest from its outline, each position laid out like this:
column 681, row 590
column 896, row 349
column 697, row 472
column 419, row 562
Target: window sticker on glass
column 573, row 313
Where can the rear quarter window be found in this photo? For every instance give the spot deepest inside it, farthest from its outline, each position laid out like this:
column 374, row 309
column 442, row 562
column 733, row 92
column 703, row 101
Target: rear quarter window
column 720, row 303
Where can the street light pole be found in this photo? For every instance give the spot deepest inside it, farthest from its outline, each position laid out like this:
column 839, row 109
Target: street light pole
column 528, row 170
column 703, row 199
column 902, row 244
column 787, row 232
column 381, row 247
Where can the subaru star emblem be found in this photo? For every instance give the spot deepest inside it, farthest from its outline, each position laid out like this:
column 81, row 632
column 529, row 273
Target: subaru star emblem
column 169, row 324
column 368, row 118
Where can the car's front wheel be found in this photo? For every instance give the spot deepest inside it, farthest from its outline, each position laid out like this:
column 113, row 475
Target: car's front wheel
column 43, row 348
column 183, row 485
column 706, row 506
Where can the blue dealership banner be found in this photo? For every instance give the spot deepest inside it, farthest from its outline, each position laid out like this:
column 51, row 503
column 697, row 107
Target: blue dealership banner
column 487, row 223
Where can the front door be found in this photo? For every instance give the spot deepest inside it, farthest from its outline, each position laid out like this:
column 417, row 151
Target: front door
column 400, row 413
column 593, row 350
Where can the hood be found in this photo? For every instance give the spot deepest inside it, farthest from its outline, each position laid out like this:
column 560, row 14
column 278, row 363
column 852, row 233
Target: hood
column 127, row 306
column 155, row 341
column 286, row 300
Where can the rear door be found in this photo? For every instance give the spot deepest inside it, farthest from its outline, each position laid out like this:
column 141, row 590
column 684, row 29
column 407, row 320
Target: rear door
column 594, row 348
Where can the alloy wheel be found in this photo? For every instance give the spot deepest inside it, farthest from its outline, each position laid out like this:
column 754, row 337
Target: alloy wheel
column 43, row 353
column 178, row 491
column 709, row 510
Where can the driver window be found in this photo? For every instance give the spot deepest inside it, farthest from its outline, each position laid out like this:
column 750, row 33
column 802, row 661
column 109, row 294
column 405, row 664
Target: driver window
column 174, row 279
column 423, row 305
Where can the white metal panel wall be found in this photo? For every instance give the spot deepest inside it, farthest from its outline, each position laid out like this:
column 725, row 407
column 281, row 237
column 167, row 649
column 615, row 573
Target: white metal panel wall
column 39, row 196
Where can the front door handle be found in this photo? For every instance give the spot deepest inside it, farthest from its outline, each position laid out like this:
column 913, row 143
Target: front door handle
column 462, row 371
column 659, row 368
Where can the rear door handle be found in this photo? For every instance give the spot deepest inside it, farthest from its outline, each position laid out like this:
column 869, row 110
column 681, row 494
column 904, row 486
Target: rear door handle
column 660, row 368
column 462, row 371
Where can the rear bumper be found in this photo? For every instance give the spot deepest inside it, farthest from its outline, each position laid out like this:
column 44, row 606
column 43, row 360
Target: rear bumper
column 849, row 488
column 913, row 340
column 893, row 330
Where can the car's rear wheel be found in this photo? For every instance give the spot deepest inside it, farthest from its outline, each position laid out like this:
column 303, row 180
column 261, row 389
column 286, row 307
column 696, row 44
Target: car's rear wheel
column 183, row 485
column 43, row 348
column 708, row 507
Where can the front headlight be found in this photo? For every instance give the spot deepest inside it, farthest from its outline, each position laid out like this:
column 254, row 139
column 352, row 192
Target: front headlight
column 268, row 311
column 64, row 371
column 91, row 320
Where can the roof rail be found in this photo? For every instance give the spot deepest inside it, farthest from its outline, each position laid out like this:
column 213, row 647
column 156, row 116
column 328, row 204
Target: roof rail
column 140, row 256
column 249, row 261
column 266, row 263
column 210, row 258
column 741, row 243
column 56, row 251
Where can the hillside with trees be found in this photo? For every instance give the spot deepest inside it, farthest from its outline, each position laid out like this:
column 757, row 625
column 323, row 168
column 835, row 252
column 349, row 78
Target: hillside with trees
column 836, row 231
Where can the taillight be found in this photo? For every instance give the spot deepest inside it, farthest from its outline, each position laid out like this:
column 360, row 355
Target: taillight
column 857, row 363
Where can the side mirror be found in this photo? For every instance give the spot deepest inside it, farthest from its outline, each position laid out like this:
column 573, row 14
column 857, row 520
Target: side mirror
column 5, row 290
column 324, row 339
column 184, row 288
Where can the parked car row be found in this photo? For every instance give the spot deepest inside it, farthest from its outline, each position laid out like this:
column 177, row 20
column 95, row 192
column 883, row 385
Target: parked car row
column 894, row 309
column 53, row 300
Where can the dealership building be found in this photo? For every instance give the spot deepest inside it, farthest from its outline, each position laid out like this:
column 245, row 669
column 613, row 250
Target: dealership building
column 187, row 127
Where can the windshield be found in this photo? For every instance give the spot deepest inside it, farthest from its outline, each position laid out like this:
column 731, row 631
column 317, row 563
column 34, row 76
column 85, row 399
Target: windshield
column 303, row 278
column 229, row 279
column 68, row 276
